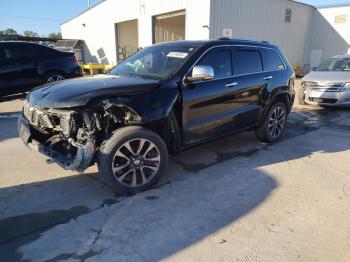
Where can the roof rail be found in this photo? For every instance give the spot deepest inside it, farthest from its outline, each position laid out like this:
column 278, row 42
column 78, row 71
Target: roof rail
column 247, row 40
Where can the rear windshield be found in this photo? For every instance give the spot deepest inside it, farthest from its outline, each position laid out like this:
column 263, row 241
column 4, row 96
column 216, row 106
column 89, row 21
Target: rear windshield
column 335, row 64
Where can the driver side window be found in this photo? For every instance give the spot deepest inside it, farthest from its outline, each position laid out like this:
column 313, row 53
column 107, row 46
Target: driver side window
column 220, row 61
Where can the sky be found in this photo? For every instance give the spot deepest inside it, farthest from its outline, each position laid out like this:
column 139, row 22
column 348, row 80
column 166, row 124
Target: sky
column 45, row 16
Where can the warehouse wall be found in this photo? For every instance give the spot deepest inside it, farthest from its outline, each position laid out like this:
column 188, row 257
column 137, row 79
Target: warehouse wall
column 265, row 20
column 326, row 35
column 97, row 25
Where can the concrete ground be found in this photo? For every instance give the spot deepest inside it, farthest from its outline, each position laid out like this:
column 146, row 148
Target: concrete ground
column 230, row 200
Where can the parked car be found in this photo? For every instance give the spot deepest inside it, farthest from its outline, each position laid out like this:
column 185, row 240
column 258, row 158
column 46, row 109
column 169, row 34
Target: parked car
column 25, row 65
column 328, row 84
column 165, row 98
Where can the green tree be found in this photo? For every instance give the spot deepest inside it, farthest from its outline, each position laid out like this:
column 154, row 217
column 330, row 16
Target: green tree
column 55, row 35
column 29, row 33
column 8, row 31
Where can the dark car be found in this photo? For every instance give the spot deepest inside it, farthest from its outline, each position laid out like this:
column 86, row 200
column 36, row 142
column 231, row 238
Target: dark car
column 165, row 98
column 25, row 65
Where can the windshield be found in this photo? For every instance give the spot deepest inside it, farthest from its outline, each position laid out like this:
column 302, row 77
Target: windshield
column 335, row 64
column 158, row 62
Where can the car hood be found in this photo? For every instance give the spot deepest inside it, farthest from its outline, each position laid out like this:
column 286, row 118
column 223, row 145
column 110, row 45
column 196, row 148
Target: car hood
column 79, row 91
column 327, row 77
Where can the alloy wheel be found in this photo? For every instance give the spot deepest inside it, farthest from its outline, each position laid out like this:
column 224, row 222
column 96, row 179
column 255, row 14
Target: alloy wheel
column 136, row 162
column 55, row 78
column 276, row 122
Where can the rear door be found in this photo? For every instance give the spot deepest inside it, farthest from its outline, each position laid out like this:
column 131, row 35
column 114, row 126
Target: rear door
column 250, row 82
column 18, row 68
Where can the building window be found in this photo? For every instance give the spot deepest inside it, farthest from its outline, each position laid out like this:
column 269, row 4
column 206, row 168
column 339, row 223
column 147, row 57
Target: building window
column 340, row 19
column 288, row 17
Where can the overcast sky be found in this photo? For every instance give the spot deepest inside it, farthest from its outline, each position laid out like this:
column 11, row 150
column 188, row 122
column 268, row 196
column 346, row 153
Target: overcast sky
column 44, row 16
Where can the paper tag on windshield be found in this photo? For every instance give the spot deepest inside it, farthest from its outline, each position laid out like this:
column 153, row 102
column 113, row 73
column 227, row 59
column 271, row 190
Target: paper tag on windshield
column 177, row 55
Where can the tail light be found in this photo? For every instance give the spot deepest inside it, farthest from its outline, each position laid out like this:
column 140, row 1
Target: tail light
column 75, row 60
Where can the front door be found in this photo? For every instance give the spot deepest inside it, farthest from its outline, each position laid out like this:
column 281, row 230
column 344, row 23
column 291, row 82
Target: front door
column 207, row 104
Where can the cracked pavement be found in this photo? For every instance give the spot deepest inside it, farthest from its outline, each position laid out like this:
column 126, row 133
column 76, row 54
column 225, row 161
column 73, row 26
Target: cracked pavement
column 229, row 200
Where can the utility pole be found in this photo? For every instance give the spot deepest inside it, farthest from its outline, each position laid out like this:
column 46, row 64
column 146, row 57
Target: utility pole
column 88, row 3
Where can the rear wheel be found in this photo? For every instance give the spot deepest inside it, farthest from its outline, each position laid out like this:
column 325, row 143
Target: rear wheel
column 132, row 160
column 54, row 77
column 271, row 130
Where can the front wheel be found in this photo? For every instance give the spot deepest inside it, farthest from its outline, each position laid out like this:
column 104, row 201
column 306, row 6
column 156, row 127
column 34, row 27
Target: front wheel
column 271, row 130
column 132, row 160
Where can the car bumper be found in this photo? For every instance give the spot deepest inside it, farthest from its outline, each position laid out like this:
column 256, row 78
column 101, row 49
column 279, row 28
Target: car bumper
column 341, row 98
column 78, row 163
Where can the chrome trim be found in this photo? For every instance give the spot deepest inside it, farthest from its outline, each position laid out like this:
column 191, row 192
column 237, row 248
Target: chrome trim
column 232, row 84
column 253, row 73
column 268, row 78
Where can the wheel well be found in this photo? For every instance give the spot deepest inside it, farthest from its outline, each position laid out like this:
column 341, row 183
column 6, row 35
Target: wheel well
column 53, row 71
column 284, row 98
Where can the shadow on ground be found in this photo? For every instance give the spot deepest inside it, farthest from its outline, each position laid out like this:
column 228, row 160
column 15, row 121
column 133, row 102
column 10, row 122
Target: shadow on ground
column 11, row 130
column 201, row 193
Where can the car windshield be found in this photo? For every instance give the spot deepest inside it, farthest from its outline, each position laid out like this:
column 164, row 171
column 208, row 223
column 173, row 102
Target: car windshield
column 335, row 64
column 156, row 62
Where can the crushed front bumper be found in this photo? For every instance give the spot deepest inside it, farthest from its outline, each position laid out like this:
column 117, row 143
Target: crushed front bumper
column 341, row 98
column 80, row 162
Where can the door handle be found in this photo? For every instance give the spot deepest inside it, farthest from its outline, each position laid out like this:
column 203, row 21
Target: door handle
column 268, row 77
column 231, row 84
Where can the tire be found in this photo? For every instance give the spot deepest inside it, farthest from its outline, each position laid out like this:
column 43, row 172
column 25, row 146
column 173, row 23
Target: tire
column 301, row 96
column 53, row 77
column 264, row 132
column 131, row 172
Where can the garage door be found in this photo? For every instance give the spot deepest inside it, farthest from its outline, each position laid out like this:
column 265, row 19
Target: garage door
column 127, row 39
column 169, row 27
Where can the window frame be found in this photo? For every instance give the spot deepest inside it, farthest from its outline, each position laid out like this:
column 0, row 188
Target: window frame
column 264, row 64
column 227, row 49
column 249, row 49
column 288, row 15
column 233, row 46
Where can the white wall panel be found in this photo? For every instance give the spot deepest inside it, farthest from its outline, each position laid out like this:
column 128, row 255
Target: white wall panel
column 99, row 29
column 332, row 38
column 264, row 20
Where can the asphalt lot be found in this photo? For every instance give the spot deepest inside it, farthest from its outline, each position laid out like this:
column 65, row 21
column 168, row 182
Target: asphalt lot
column 230, row 200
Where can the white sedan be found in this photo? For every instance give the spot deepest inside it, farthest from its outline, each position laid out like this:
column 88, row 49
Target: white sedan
column 328, row 84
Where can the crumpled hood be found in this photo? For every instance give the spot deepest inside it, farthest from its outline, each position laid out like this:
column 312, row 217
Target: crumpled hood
column 79, row 91
column 327, row 77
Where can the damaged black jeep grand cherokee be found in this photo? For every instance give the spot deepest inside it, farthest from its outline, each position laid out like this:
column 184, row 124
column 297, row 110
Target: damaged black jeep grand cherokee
column 165, row 98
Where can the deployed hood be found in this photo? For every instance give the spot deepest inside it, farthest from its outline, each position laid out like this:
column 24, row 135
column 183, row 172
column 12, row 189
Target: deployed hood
column 327, row 77
column 79, row 91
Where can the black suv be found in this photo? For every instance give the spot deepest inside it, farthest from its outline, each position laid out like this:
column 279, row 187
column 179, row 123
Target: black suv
column 25, row 65
column 165, row 98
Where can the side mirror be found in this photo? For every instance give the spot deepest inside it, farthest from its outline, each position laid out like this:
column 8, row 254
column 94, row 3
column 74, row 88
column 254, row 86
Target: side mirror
column 314, row 69
column 201, row 73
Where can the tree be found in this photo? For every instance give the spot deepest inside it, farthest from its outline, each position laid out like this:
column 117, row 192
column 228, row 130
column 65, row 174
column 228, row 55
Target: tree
column 8, row 31
column 29, row 33
column 55, row 35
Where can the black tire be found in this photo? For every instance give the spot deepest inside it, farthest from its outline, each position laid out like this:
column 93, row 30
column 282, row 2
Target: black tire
column 53, row 74
column 262, row 132
column 107, row 157
column 301, row 96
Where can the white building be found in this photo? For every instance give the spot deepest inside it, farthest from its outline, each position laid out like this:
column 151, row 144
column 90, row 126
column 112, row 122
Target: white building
column 113, row 29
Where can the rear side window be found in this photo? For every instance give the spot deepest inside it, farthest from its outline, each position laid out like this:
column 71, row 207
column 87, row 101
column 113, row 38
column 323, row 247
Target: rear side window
column 247, row 61
column 46, row 52
column 271, row 60
column 220, row 60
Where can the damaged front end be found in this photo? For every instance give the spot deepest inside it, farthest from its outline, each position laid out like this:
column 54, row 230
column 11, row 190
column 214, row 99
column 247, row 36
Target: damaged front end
column 65, row 136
